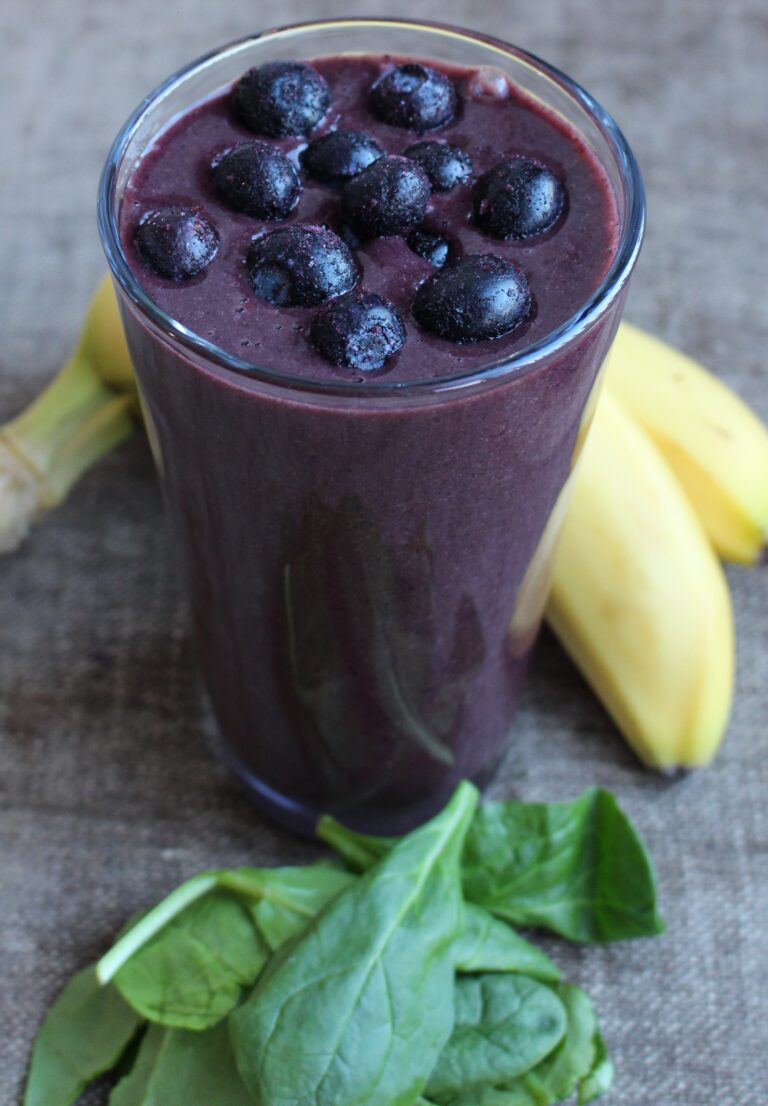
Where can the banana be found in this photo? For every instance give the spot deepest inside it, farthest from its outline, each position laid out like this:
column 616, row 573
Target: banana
column 102, row 340
column 716, row 445
column 85, row 411
column 639, row 599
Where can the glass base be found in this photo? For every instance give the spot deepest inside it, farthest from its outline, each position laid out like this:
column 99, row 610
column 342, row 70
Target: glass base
column 275, row 806
column 302, row 819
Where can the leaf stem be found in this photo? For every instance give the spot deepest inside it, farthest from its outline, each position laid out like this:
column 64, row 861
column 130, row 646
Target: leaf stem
column 151, row 924
column 352, row 847
column 249, row 887
column 171, row 906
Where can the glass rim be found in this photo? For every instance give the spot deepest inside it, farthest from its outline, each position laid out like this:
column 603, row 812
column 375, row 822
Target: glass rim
column 496, row 370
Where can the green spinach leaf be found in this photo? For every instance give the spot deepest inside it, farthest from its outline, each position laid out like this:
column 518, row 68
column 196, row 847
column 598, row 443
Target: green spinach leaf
column 177, row 1067
column 557, row 1077
column 149, row 923
column 83, row 1035
column 572, row 1064
column 487, row 944
column 504, row 1025
column 185, row 962
column 289, row 898
column 600, row 1077
column 361, row 1009
column 578, row 869
column 192, row 973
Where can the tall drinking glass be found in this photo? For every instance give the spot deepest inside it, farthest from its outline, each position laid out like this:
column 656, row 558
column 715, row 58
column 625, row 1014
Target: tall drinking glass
column 367, row 567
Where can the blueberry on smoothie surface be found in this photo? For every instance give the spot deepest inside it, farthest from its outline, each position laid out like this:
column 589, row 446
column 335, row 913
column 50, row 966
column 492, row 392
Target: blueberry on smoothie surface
column 416, row 97
column 340, row 155
column 359, row 331
column 176, row 242
column 257, row 179
column 429, row 246
column 388, row 198
column 518, row 198
column 289, row 222
column 445, row 165
column 281, row 98
column 300, row 266
column 473, row 298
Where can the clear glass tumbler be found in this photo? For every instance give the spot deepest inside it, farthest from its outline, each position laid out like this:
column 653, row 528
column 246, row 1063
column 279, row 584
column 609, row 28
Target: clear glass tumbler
column 367, row 567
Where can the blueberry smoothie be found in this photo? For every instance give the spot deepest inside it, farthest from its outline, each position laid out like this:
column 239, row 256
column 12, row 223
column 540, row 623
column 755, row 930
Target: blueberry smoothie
column 365, row 514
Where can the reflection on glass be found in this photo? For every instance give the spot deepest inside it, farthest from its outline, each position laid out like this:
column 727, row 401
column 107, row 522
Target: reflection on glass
column 358, row 647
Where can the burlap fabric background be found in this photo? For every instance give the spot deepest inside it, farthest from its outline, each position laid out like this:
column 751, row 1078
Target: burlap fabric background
column 108, row 794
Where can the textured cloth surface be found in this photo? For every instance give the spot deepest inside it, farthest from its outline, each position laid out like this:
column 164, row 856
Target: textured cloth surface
column 108, row 793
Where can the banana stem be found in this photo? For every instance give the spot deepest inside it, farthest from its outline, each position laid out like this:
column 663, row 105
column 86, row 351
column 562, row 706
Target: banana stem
column 18, row 498
column 45, row 449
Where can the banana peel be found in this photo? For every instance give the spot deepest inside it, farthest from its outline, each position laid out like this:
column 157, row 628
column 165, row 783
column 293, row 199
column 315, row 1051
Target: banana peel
column 639, row 600
column 84, row 412
column 715, row 444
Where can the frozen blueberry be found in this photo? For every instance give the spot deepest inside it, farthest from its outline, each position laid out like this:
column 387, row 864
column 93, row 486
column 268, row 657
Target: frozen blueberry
column 432, row 247
column 518, row 198
column 258, row 180
column 359, row 331
column 340, row 155
column 177, row 242
column 300, row 266
column 445, row 165
column 281, row 98
column 389, row 197
column 475, row 297
column 416, row 97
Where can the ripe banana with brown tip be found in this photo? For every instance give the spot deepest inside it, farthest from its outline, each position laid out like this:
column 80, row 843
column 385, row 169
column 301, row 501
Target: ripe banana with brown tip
column 639, row 599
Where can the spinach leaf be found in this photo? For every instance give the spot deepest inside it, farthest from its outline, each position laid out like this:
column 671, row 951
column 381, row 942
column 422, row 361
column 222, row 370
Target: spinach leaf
column 487, row 944
column 151, row 922
column 184, row 962
column 558, row 1076
column 579, row 869
column 191, row 974
column 289, row 898
column 177, row 1067
column 362, row 1007
column 600, row 1078
column 83, row 1035
column 504, row 1025
column 572, row 1064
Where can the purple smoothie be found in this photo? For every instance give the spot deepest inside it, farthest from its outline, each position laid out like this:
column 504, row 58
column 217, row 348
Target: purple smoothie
column 367, row 572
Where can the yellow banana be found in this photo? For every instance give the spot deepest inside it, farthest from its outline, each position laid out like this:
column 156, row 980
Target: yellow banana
column 639, row 600
column 85, row 411
column 716, row 445
column 102, row 340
